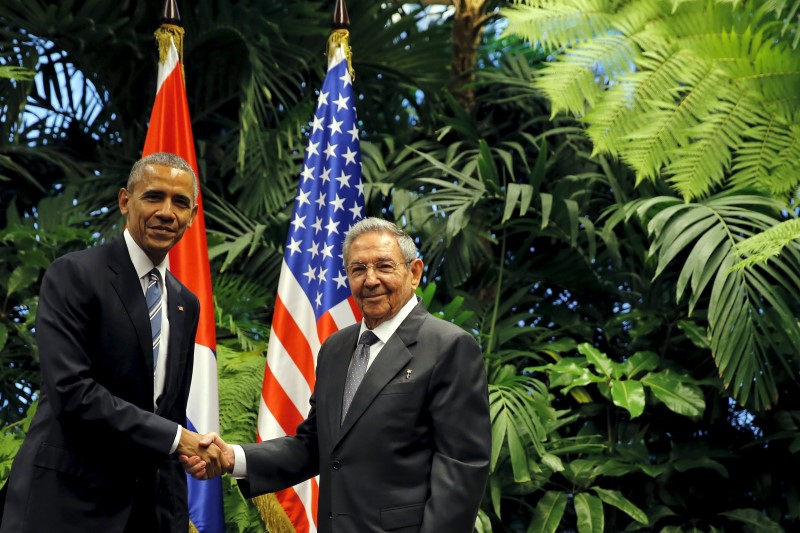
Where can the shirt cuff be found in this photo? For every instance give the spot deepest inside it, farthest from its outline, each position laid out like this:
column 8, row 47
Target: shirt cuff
column 176, row 441
column 239, row 462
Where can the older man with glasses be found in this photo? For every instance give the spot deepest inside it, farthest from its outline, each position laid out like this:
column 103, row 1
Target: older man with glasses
column 399, row 429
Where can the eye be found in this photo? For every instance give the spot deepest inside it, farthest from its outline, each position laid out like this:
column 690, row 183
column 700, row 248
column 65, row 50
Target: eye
column 357, row 269
column 385, row 267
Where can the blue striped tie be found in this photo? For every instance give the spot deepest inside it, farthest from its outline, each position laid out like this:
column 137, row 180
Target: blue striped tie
column 153, row 297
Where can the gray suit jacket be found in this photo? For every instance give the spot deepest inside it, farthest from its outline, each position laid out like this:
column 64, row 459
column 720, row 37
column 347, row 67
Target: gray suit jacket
column 412, row 454
column 96, row 447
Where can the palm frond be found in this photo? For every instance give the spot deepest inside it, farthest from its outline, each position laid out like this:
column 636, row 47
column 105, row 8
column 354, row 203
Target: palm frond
column 789, row 12
column 760, row 248
column 701, row 82
column 751, row 311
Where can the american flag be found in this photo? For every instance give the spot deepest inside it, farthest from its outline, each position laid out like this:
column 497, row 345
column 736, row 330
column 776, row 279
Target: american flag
column 314, row 298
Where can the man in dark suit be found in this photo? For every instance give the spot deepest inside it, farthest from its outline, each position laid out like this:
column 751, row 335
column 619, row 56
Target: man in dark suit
column 411, row 453
column 101, row 453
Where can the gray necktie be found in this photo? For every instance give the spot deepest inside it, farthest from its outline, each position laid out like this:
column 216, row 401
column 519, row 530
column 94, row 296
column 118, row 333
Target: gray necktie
column 153, row 298
column 358, row 367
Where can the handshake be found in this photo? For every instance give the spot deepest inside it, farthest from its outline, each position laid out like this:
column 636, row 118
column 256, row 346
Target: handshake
column 204, row 456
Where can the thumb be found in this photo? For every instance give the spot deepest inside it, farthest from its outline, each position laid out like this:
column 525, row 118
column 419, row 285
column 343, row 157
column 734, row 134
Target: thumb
column 208, row 439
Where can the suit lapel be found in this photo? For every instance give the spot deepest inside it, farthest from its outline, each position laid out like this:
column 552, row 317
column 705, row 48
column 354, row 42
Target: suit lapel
column 129, row 290
column 176, row 314
column 392, row 358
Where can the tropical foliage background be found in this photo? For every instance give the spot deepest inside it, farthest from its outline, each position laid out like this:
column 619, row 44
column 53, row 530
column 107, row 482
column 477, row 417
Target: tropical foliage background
column 605, row 193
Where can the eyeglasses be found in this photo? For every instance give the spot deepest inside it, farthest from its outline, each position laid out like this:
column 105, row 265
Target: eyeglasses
column 385, row 267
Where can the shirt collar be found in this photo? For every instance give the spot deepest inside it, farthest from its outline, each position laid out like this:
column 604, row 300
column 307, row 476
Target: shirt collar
column 141, row 262
column 386, row 329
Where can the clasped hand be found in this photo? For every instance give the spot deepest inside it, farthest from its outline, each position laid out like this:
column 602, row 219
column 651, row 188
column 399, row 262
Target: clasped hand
column 205, row 456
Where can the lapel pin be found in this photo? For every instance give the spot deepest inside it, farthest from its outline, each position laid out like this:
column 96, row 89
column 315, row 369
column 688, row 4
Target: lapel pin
column 408, row 373
column 180, row 308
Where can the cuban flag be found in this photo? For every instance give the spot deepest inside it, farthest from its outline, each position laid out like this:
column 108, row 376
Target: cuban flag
column 170, row 130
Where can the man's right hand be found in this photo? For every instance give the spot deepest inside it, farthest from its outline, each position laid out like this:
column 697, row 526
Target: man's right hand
column 199, row 467
column 207, row 459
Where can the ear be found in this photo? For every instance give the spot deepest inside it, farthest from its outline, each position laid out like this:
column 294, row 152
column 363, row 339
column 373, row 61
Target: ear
column 122, row 199
column 416, row 267
column 194, row 214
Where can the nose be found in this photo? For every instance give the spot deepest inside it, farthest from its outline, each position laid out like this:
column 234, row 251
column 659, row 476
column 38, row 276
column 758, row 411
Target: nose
column 165, row 209
column 371, row 277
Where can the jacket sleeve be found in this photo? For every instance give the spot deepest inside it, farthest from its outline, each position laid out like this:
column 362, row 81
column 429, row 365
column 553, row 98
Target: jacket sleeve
column 279, row 463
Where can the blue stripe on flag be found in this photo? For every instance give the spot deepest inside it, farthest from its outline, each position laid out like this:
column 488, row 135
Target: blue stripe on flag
column 206, row 516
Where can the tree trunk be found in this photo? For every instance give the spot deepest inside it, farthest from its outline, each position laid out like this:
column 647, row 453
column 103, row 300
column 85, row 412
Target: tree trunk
column 467, row 31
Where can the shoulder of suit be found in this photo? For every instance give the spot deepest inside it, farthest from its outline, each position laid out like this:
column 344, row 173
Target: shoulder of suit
column 80, row 259
column 442, row 327
column 343, row 333
column 185, row 291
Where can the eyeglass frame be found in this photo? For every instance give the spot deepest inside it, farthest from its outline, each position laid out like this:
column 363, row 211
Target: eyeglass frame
column 375, row 267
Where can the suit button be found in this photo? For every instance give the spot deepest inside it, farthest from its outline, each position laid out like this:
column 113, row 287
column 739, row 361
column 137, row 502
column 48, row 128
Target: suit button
column 336, row 465
column 330, row 515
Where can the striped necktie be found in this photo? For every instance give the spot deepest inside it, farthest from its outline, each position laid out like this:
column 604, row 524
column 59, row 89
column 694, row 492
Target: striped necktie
column 153, row 298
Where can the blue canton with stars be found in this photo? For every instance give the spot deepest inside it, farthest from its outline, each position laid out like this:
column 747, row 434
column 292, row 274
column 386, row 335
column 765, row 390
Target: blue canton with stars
column 330, row 196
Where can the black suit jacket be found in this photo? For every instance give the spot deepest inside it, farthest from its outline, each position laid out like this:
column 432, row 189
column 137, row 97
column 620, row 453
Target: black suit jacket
column 96, row 448
column 412, row 454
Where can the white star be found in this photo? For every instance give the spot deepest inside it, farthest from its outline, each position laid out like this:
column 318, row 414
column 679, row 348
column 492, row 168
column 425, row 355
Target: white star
column 341, row 280
column 360, row 188
column 318, row 301
column 356, row 210
column 350, row 156
column 338, row 204
column 298, row 222
column 353, row 132
column 322, row 99
column 312, row 149
column 330, row 151
column 323, row 273
column 321, row 200
column 307, row 173
column 346, row 78
column 336, row 126
column 310, row 274
column 332, row 227
column 326, row 251
column 317, row 225
column 326, row 175
column 314, row 249
column 341, row 102
column 317, row 125
column 344, row 180
column 302, row 198
column 294, row 246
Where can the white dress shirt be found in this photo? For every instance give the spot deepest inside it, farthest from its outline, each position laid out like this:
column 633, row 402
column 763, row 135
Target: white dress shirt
column 143, row 265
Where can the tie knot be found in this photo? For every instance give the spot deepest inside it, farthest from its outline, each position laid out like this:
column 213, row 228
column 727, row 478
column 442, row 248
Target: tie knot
column 154, row 275
column 368, row 338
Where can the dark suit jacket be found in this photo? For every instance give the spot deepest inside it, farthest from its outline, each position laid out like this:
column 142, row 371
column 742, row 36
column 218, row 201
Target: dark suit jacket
column 95, row 447
column 412, row 454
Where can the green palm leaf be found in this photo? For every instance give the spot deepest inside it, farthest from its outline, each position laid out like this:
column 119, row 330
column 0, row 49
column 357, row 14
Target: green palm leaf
column 751, row 311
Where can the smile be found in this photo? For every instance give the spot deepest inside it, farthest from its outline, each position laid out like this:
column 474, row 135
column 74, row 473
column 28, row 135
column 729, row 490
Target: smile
column 161, row 229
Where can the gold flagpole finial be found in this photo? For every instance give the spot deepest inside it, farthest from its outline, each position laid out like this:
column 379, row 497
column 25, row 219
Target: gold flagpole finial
column 170, row 31
column 340, row 36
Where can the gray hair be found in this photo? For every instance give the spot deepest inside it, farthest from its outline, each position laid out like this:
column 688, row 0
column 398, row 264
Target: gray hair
column 378, row 225
column 164, row 159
